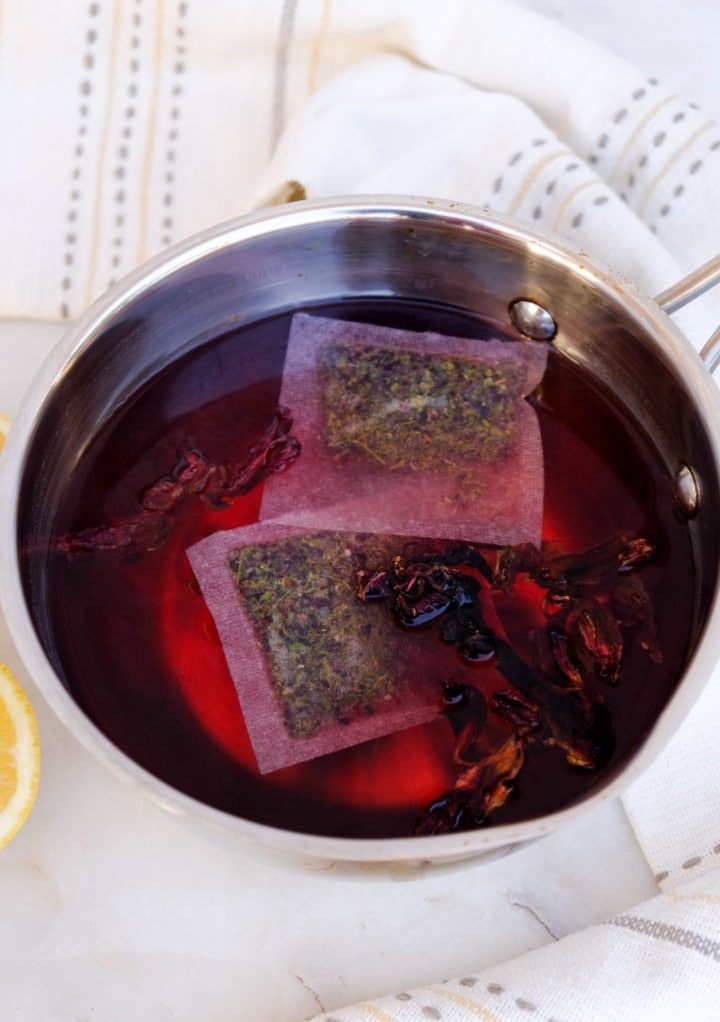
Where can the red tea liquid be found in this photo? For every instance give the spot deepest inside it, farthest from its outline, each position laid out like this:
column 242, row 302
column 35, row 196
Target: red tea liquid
column 138, row 648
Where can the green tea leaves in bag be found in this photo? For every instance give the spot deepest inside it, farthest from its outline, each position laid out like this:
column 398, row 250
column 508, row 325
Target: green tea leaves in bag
column 315, row 668
column 414, row 433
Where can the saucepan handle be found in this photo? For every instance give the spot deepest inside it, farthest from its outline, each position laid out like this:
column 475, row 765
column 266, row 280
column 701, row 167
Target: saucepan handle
column 690, row 287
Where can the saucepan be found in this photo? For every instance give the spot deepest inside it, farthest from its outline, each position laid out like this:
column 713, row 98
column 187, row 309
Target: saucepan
column 637, row 403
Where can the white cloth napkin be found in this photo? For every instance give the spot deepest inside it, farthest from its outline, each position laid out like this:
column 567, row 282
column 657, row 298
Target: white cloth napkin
column 658, row 961
column 160, row 125
column 565, row 136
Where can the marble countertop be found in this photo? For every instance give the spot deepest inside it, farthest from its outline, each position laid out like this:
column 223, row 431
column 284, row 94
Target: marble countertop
column 114, row 909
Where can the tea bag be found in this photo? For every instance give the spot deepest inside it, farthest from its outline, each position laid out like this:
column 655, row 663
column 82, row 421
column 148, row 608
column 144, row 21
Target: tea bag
column 408, row 432
column 316, row 670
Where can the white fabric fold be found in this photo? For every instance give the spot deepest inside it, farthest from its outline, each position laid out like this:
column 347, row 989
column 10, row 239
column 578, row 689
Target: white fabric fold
column 160, row 123
column 657, row 960
column 616, row 170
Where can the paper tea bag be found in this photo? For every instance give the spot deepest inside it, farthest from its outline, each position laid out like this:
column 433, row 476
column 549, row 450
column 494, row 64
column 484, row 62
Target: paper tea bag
column 315, row 668
column 412, row 433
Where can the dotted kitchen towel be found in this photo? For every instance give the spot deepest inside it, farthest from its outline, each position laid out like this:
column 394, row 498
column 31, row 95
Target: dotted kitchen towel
column 132, row 124
column 658, row 960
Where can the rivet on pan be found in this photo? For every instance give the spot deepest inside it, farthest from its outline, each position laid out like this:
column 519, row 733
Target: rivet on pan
column 685, row 491
column 532, row 320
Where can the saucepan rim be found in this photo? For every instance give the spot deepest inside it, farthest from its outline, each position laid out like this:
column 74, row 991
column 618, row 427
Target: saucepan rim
column 300, row 846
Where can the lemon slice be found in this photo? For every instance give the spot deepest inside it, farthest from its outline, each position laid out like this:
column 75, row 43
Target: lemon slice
column 19, row 756
column 4, row 427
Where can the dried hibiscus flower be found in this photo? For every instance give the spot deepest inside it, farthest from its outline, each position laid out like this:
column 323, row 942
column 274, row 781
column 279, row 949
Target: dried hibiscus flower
column 216, row 483
column 590, row 599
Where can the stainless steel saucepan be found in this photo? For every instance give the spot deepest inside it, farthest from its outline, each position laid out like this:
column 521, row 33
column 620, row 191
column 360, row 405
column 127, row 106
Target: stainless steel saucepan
column 314, row 253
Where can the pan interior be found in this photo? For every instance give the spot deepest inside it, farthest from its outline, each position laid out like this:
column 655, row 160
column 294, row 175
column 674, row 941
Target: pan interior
column 610, row 382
